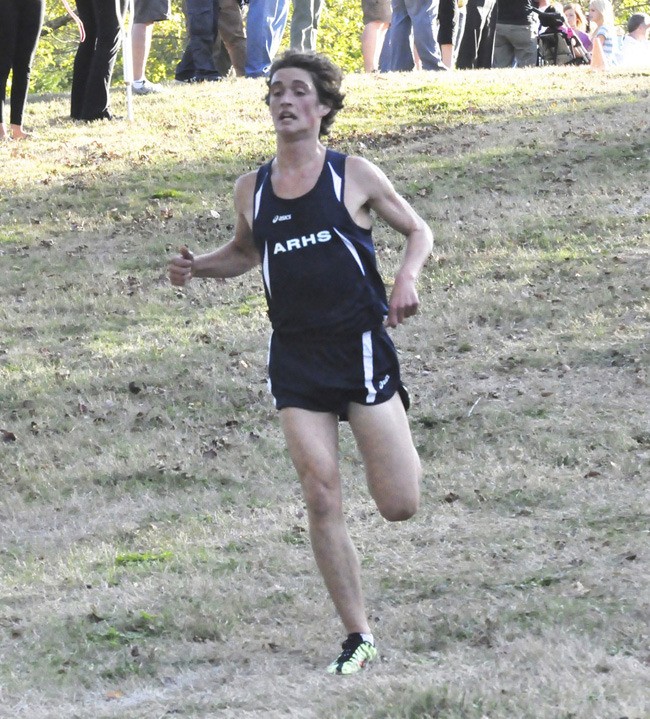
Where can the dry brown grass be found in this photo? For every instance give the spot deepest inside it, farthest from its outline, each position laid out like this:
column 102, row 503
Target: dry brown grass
column 154, row 558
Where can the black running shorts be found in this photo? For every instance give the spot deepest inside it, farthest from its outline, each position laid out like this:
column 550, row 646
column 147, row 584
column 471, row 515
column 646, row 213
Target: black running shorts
column 325, row 375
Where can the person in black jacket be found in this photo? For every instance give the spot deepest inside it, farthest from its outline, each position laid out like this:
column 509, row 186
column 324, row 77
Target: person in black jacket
column 515, row 41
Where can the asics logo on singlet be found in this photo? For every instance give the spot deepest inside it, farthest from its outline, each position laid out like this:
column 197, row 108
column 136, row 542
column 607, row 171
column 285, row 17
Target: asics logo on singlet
column 281, row 218
column 297, row 243
column 384, row 382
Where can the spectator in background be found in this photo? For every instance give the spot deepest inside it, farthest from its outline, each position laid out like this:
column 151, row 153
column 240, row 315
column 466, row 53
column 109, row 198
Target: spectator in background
column 601, row 13
column 20, row 27
column 577, row 21
column 146, row 13
column 265, row 26
column 515, row 39
column 448, row 29
column 635, row 48
column 230, row 50
column 376, row 21
column 304, row 24
column 476, row 47
column 197, row 63
column 420, row 17
column 95, row 59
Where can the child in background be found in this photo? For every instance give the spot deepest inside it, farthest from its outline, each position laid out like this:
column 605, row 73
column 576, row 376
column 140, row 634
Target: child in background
column 601, row 13
column 577, row 21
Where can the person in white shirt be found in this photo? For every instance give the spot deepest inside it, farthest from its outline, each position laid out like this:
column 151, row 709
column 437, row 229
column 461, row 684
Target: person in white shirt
column 635, row 48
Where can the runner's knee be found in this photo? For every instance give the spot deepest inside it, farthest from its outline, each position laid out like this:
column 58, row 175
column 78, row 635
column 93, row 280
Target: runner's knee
column 322, row 493
column 399, row 511
column 398, row 498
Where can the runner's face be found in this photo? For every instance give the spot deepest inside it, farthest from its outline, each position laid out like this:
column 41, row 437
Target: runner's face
column 294, row 103
column 570, row 15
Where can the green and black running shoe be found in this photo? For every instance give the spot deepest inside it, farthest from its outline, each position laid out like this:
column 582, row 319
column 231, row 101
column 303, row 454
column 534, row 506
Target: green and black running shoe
column 355, row 655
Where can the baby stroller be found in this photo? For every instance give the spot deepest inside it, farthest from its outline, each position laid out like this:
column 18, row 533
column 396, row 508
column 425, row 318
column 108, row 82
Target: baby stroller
column 557, row 44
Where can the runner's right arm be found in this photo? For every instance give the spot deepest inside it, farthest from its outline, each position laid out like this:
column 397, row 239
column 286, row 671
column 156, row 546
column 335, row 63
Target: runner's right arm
column 236, row 257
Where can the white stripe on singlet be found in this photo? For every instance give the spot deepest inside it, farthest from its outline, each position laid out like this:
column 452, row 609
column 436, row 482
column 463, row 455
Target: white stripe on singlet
column 337, row 181
column 265, row 259
column 258, row 200
column 268, row 364
column 265, row 269
column 368, row 368
column 353, row 251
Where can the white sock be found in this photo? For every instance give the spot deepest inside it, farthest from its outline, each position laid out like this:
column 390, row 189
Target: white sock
column 139, row 82
column 368, row 638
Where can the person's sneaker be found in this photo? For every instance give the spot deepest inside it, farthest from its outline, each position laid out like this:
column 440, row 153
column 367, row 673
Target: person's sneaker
column 356, row 654
column 144, row 87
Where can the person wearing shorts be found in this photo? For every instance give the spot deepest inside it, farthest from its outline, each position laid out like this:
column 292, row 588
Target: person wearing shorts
column 145, row 14
column 376, row 21
column 306, row 219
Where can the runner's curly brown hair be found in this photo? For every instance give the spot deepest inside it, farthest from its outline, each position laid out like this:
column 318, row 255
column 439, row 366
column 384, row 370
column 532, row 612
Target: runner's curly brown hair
column 326, row 76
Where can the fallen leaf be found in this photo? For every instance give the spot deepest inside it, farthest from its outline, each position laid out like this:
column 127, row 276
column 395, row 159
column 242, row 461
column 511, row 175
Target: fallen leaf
column 94, row 616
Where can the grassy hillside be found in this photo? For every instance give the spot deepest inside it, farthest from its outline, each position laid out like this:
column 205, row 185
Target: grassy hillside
column 154, row 559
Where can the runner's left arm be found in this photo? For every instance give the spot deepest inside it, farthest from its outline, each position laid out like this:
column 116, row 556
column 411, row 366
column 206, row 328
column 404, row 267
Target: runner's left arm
column 382, row 198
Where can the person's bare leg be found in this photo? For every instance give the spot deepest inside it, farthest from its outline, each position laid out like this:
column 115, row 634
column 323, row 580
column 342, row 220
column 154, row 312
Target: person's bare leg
column 447, row 53
column 141, row 34
column 18, row 133
column 312, row 440
column 416, row 59
column 393, row 469
column 372, row 40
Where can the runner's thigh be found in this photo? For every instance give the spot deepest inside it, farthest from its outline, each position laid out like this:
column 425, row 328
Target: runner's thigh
column 392, row 464
column 312, row 441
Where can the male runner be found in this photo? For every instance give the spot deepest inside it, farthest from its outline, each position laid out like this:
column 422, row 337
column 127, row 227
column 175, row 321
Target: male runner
column 306, row 217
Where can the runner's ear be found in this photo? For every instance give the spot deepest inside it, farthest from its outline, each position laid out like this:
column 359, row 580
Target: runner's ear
column 324, row 110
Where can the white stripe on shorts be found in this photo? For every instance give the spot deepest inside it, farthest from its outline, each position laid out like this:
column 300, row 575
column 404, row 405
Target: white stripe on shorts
column 368, row 369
